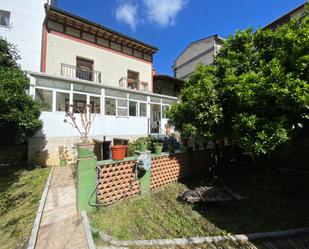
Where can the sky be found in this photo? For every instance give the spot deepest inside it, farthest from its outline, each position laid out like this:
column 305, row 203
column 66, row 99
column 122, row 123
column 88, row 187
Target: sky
column 171, row 25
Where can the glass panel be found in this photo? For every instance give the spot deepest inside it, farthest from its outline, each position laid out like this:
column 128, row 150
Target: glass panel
column 46, row 99
column 155, row 100
column 164, row 109
column 142, row 109
column 115, row 93
column 133, row 108
column 79, row 102
column 110, row 106
column 168, row 101
column 122, row 103
column 53, row 84
column 62, row 102
column 87, row 88
column 95, row 104
column 138, row 97
column 122, row 112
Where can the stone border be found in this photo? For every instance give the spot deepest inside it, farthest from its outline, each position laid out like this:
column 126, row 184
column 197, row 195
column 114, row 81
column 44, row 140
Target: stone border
column 199, row 240
column 87, row 230
column 39, row 213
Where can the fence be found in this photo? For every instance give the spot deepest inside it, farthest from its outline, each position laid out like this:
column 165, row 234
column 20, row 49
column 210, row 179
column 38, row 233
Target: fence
column 116, row 180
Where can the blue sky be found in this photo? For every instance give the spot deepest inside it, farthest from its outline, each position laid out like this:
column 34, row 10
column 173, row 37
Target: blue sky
column 171, row 25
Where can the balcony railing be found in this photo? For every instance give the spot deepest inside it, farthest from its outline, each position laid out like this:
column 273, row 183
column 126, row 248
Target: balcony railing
column 76, row 72
column 133, row 84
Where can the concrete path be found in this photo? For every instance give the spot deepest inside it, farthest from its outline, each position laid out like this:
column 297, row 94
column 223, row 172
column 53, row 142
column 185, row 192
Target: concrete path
column 61, row 225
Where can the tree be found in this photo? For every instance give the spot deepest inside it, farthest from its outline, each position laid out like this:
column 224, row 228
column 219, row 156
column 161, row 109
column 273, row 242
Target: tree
column 19, row 113
column 261, row 84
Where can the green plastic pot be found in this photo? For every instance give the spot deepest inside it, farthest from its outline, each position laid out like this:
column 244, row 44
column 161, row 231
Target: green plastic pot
column 63, row 163
column 158, row 149
column 171, row 148
column 143, row 147
column 85, row 150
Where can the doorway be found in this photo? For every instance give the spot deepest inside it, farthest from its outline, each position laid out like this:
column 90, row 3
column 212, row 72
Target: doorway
column 155, row 118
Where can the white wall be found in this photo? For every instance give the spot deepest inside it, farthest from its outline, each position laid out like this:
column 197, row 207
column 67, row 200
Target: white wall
column 112, row 65
column 25, row 30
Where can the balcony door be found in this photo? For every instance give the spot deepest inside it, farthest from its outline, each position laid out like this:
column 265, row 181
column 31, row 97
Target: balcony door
column 133, row 80
column 84, row 69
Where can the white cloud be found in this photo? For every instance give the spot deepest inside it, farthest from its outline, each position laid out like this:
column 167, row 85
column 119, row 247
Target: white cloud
column 127, row 13
column 163, row 12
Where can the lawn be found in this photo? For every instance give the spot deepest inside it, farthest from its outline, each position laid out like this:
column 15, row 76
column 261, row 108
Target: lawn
column 20, row 192
column 160, row 215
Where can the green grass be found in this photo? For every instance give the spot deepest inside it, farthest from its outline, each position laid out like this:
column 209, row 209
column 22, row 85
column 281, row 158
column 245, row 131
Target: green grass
column 20, row 193
column 160, row 215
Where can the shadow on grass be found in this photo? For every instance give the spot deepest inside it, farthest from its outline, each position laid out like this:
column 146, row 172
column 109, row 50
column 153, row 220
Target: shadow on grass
column 263, row 209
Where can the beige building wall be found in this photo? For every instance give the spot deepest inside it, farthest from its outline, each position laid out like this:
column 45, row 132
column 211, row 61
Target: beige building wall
column 113, row 65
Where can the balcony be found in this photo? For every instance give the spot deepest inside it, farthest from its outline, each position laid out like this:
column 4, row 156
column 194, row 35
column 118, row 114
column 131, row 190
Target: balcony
column 124, row 82
column 83, row 74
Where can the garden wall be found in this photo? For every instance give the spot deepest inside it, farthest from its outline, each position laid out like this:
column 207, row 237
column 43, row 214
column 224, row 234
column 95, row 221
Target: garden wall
column 116, row 179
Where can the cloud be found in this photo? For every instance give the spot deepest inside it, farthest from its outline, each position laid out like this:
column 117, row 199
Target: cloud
column 163, row 12
column 127, row 13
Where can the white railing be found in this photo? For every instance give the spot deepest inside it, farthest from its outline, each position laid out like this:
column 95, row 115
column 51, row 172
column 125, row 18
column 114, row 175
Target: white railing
column 124, row 82
column 76, row 72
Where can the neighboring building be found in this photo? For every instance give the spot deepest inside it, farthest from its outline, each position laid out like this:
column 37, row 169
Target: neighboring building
column 201, row 51
column 167, row 85
column 299, row 11
column 21, row 24
column 85, row 63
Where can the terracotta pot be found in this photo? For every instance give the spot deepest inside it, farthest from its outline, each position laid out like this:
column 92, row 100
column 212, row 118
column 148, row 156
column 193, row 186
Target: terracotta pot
column 119, row 152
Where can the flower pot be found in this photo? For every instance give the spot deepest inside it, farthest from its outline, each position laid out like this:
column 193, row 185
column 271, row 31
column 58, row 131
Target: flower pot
column 63, row 163
column 171, row 148
column 184, row 142
column 85, row 150
column 143, row 147
column 119, row 152
column 158, row 149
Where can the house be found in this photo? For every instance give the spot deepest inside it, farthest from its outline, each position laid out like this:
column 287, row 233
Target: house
column 85, row 63
column 201, row 51
column 298, row 11
column 21, row 24
column 167, row 85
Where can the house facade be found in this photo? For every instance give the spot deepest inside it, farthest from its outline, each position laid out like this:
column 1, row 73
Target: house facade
column 21, row 24
column 84, row 63
column 201, row 51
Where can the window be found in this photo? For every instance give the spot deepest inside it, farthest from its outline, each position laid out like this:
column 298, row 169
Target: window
column 132, row 108
column 79, row 102
column 122, row 107
column 110, row 106
column 95, row 104
column 142, row 109
column 62, row 102
column 46, row 99
column 4, row 18
column 164, row 109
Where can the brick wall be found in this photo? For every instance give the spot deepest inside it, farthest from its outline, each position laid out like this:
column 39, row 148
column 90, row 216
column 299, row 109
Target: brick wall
column 116, row 179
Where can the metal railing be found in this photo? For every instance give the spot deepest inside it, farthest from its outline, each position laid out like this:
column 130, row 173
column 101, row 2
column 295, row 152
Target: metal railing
column 124, row 82
column 76, row 72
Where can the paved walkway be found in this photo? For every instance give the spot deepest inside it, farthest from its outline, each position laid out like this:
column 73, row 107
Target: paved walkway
column 61, row 226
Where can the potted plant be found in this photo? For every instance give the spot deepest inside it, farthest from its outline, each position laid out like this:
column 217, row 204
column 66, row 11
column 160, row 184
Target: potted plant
column 143, row 144
column 85, row 148
column 171, row 148
column 63, row 155
column 119, row 152
column 158, row 148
